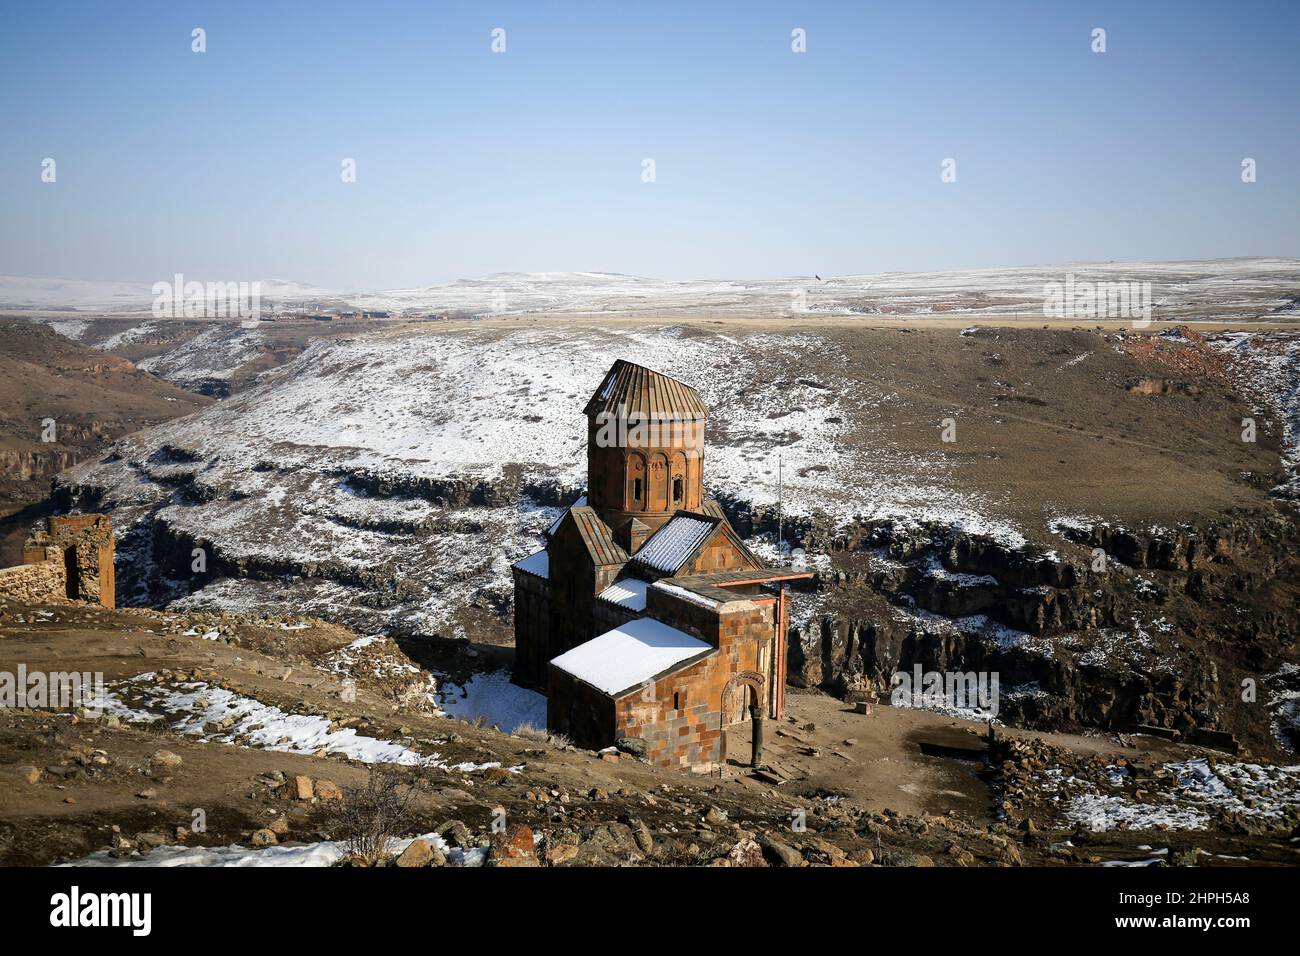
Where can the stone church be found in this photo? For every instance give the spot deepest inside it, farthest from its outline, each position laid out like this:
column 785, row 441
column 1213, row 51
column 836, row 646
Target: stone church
column 646, row 620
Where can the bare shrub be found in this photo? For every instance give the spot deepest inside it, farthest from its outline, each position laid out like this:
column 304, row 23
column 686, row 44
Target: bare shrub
column 541, row 735
column 372, row 815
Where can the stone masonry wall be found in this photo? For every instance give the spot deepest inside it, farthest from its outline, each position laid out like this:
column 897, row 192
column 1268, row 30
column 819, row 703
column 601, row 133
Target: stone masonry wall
column 44, row 583
column 682, row 715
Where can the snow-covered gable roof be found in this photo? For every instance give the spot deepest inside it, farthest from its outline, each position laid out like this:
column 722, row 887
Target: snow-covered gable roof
column 538, row 563
column 628, row 593
column 673, row 544
column 628, row 655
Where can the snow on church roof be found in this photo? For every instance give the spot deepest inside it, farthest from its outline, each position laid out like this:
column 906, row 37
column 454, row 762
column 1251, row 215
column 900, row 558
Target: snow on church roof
column 538, row 563
column 670, row 546
column 634, row 652
column 628, row 593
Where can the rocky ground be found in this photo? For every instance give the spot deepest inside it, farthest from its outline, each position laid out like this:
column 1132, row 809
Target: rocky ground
column 236, row 741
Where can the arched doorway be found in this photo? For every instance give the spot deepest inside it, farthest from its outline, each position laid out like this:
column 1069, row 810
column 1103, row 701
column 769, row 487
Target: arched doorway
column 741, row 698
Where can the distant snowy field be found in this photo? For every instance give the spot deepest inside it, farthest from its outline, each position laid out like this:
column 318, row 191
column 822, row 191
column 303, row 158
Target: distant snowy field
column 1243, row 288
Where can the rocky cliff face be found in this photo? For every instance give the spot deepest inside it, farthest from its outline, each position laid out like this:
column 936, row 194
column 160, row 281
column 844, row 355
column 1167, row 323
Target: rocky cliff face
column 1167, row 628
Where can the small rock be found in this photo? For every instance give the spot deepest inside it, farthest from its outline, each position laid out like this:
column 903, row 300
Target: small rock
column 303, row 789
column 264, row 837
column 165, row 758
column 279, row 826
column 148, row 794
column 150, row 840
column 641, row 834
column 716, row 816
column 418, row 853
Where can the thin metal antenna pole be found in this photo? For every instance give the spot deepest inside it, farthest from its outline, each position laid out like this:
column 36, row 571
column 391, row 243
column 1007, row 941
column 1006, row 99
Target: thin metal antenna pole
column 780, row 513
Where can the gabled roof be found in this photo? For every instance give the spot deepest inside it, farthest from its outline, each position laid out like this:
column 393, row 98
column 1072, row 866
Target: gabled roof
column 738, row 543
column 597, row 536
column 631, row 389
column 710, row 506
column 537, row 564
column 621, row 659
column 555, row 525
column 676, row 542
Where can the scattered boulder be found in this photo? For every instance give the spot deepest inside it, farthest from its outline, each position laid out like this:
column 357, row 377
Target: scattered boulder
column 302, row 787
column 264, row 837
column 780, row 852
column 457, row 832
column 515, row 847
column 746, row 853
column 561, row 853
column 327, row 791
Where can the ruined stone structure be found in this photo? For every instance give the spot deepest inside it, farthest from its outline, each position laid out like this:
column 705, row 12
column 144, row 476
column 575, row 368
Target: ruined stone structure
column 645, row 619
column 71, row 559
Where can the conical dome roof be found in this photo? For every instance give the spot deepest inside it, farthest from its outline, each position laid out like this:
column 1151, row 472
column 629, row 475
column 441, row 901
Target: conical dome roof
column 631, row 389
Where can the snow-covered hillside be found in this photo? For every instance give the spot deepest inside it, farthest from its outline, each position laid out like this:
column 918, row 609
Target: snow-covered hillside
column 420, row 464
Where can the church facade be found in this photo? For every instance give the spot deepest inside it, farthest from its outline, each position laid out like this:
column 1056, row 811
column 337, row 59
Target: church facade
column 645, row 619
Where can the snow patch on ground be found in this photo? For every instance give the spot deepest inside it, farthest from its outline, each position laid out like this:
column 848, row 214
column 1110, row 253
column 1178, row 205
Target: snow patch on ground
column 326, row 853
column 495, row 700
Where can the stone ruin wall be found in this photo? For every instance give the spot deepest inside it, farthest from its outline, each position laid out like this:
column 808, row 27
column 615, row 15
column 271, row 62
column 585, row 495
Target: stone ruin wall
column 70, row 559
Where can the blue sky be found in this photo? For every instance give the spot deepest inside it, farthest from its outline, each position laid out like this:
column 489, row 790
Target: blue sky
column 226, row 165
